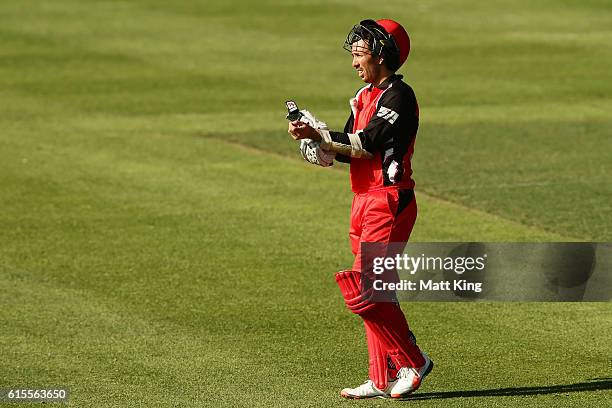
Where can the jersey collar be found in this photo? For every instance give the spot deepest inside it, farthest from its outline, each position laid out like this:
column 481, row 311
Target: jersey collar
column 387, row 82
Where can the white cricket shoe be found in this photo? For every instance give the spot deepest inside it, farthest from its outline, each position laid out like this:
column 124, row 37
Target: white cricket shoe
column 366, row 390
column 409, row 379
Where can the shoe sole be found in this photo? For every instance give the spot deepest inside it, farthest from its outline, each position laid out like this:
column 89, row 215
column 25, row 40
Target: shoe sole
column 349, row 396
column 355, row 397
column 406, row 394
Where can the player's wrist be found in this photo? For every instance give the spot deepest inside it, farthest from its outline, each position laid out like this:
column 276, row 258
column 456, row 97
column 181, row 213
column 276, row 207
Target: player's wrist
column 315, row 135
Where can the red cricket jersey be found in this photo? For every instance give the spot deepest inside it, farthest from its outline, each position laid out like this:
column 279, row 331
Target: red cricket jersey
column 386, row 118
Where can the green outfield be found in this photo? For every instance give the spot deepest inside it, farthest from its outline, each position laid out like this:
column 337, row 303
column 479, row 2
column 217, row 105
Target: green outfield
column 162, row 244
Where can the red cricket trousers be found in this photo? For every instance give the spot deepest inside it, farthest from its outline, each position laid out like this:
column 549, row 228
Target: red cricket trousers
column 385, row 216
column 382, row 216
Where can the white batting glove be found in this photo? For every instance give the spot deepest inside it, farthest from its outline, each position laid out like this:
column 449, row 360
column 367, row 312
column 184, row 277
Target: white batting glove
column 311, row 151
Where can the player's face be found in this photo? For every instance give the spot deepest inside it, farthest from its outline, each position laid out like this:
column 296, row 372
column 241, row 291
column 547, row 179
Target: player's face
column 367, row 66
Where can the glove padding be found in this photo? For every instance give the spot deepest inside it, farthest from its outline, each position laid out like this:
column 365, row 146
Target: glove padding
column 311, row 151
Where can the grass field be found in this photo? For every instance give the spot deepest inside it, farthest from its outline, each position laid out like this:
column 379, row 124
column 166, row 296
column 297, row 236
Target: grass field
column 162, row 244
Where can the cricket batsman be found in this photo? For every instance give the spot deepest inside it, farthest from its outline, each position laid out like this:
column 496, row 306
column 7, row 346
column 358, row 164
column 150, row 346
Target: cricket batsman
column 378, row 142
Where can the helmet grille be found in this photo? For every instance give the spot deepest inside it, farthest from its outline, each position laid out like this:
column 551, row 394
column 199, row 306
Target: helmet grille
column 379, row 42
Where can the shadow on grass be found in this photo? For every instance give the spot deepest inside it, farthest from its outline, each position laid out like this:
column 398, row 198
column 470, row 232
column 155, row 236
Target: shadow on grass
column 595, row 384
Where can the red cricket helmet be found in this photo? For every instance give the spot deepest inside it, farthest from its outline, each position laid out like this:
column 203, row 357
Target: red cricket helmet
column 384, row 38
column 400, row 36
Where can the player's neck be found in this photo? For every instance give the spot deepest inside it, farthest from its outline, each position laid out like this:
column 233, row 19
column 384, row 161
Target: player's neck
column 382, row 78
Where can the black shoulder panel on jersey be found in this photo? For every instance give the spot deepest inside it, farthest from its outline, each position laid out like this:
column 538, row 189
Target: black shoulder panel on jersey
column 396, row 118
